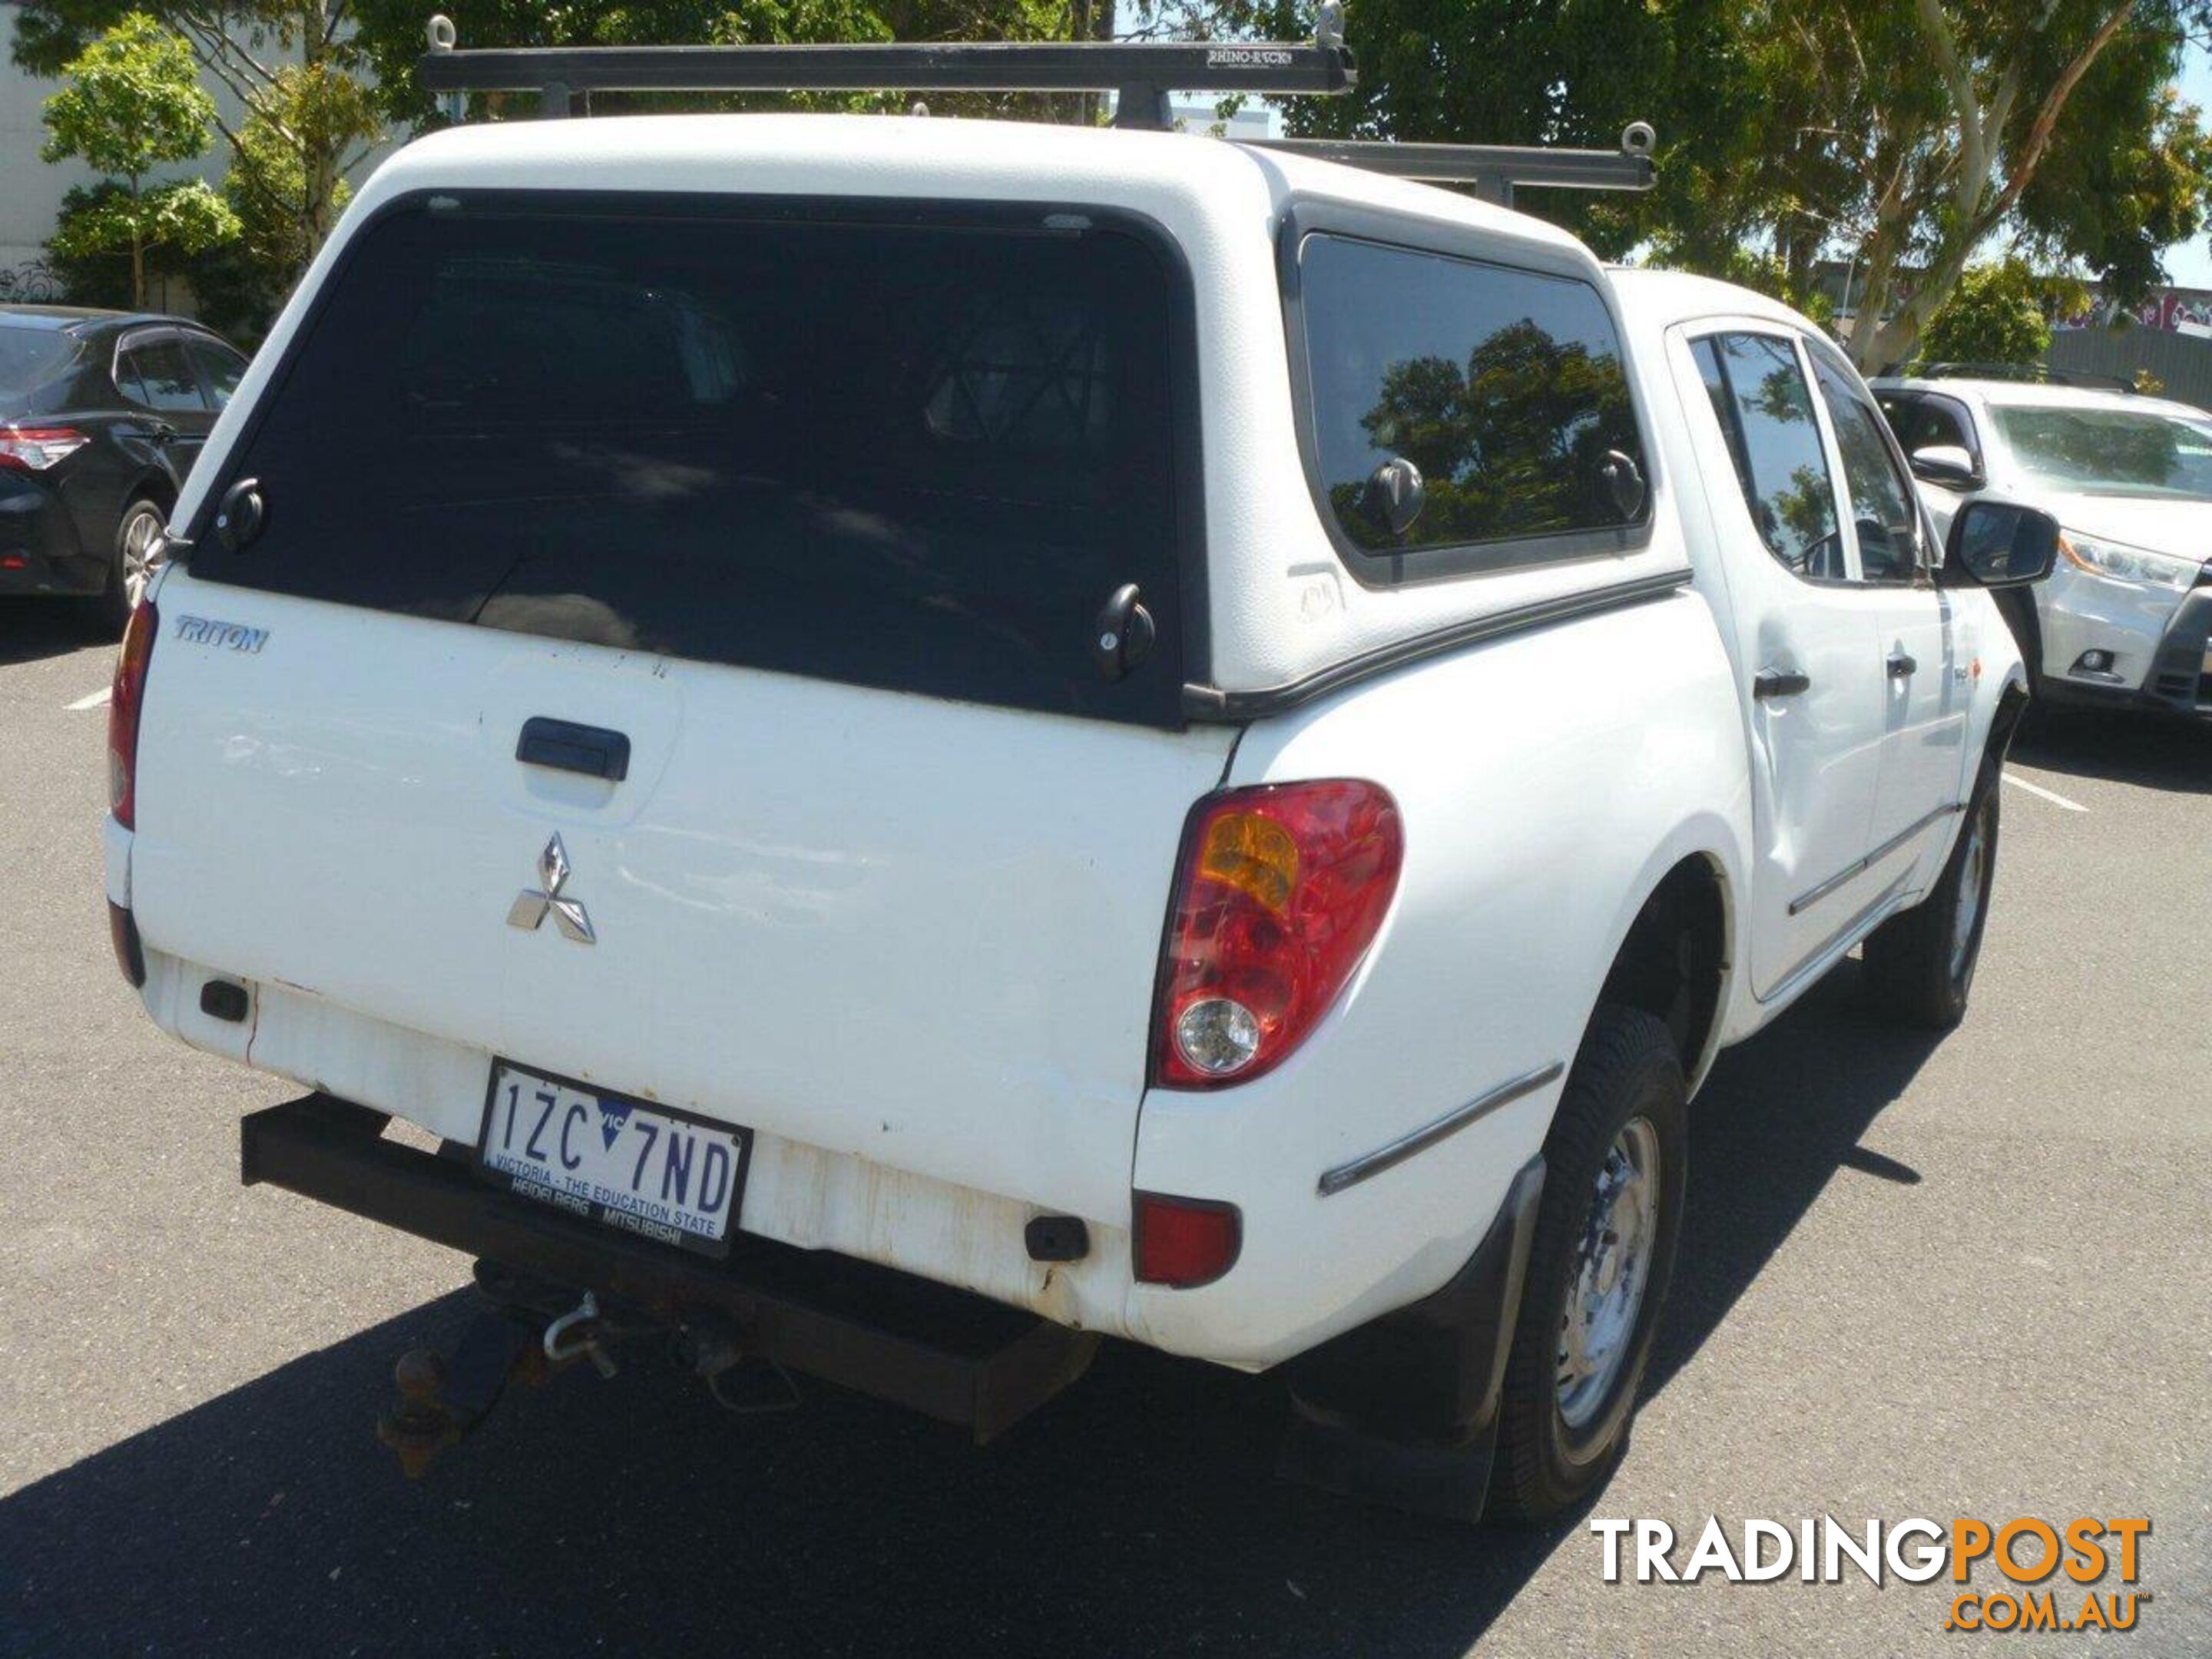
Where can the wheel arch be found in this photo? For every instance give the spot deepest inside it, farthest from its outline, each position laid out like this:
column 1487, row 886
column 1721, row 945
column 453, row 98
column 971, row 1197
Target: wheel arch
column 151, row 485
column 1675, row 950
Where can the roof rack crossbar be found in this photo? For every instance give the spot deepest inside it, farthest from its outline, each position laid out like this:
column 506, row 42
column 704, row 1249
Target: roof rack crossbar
column 1494, row 170
column 1142, row 73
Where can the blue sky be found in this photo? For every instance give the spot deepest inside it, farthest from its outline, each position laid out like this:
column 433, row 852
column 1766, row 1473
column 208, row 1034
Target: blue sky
column 2190, row 264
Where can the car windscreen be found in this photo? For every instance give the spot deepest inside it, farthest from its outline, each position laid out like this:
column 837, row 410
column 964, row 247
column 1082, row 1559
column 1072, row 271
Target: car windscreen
column 2111, row 452
column 916, row 449
column 31, row 356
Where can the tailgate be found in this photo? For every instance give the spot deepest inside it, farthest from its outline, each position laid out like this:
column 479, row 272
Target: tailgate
column 826, row 509
column 919, row 931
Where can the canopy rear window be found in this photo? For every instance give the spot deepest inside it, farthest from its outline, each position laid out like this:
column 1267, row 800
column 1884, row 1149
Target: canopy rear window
column 900, row 448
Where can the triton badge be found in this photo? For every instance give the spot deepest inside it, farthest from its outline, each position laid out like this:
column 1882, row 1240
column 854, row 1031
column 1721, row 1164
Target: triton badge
column 568, row 915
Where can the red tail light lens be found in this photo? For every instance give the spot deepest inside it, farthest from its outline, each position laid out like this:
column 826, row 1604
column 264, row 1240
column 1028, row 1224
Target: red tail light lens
column 1185, row 1241
column 1281, row 892
column 122, row 705
column 35, row 449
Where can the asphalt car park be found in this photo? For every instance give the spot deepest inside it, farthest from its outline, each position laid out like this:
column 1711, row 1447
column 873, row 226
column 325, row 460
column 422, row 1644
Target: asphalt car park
column 1962, row 1277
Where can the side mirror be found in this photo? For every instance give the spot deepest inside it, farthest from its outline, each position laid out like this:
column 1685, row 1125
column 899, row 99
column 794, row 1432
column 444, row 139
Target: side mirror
column 1946, row 464
column 1998, row 544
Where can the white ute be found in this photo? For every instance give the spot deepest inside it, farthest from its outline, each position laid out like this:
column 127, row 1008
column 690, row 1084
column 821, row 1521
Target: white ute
column 919, row 741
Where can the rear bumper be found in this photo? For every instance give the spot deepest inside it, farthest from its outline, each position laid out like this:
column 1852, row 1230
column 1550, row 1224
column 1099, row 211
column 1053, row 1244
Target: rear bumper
column 945, row 1353
column 38, row 551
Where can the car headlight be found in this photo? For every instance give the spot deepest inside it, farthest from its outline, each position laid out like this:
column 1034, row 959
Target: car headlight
column 2127, row 564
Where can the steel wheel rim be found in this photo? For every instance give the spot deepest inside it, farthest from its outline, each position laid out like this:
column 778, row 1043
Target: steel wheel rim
column 141, row 556
column 1610, row 1269
column 1966, row 913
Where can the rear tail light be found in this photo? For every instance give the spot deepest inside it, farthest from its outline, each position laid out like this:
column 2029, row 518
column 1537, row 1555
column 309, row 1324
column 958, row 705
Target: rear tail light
column 35, row 449
column 1280, row 891
column 1185, row 1241
column 122, row 706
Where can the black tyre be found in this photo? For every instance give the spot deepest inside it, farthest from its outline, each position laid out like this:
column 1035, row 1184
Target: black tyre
column 1615, row 1163
column 133, row 561
column 1919, row 966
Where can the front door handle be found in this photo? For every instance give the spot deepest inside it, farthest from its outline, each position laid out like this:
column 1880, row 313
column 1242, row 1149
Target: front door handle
column 1902, row 666
column 1769, row 683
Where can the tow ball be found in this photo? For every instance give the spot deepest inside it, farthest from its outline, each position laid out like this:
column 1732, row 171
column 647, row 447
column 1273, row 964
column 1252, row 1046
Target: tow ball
column 522, row 1333
column 526, row 1330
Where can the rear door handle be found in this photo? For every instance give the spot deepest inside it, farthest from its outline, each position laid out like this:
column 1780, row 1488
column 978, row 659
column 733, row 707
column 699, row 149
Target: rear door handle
column 568, row 747
column 1902, row 666
column 1769, row 683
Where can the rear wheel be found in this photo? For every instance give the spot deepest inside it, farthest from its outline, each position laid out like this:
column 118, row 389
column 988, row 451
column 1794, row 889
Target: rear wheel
column 1598, row 1269
column 1920, row 966
column 135, row 561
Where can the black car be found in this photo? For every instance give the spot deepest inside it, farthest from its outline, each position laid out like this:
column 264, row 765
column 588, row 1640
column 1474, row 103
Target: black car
column 101, row 413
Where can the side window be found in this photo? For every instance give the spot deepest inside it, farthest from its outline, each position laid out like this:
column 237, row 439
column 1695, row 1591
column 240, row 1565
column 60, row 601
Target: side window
column 1758, row 392
column 1884, row 510
column 219, row 366
column 158, row 375
column 1505, row 387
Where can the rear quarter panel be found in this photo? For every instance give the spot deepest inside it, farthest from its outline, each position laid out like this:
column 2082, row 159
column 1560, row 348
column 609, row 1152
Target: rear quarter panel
column 1546, row 782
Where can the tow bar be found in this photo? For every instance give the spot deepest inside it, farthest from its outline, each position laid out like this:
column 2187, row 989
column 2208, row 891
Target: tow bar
column 745, row 1325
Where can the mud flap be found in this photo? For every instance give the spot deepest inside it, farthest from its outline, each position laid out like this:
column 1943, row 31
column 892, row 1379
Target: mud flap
column 1403, row 1410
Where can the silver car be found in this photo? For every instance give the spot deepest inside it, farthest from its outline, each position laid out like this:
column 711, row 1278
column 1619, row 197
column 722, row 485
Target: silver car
column 2124, row 618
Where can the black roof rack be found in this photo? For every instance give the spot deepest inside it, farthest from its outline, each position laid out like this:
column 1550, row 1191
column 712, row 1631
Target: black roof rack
column 2030, row 373
column 1142, row 73
column 1493, row 169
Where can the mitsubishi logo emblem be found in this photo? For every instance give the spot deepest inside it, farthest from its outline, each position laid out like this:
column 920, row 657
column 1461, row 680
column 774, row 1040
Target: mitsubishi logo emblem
column 568, row 915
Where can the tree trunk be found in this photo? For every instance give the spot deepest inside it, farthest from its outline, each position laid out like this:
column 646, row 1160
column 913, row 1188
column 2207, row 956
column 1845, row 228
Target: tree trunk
column 138, row 252
column 319, row 172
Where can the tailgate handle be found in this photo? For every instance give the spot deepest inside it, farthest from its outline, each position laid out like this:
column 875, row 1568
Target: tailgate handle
column 568, row 747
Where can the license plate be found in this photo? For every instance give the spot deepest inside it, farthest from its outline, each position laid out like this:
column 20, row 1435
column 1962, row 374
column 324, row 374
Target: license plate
column 663, row 1174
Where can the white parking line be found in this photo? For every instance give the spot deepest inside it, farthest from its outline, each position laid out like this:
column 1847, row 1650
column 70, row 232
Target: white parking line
column 2051, row 795
column 92, row 702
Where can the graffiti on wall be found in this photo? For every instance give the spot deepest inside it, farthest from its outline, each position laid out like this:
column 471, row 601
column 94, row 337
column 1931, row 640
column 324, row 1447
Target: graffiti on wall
column 2167, row 310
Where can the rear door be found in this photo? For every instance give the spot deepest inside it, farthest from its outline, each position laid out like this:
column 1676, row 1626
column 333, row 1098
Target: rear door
column 157, row 378
column 809, row 512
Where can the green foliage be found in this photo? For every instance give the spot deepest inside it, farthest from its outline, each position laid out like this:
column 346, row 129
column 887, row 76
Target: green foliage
column 182, row 218
column 1996, row 316
column 1900, row 134
column 133, row 101
column 390, row 39
column 100, row 277
column 284, row 206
